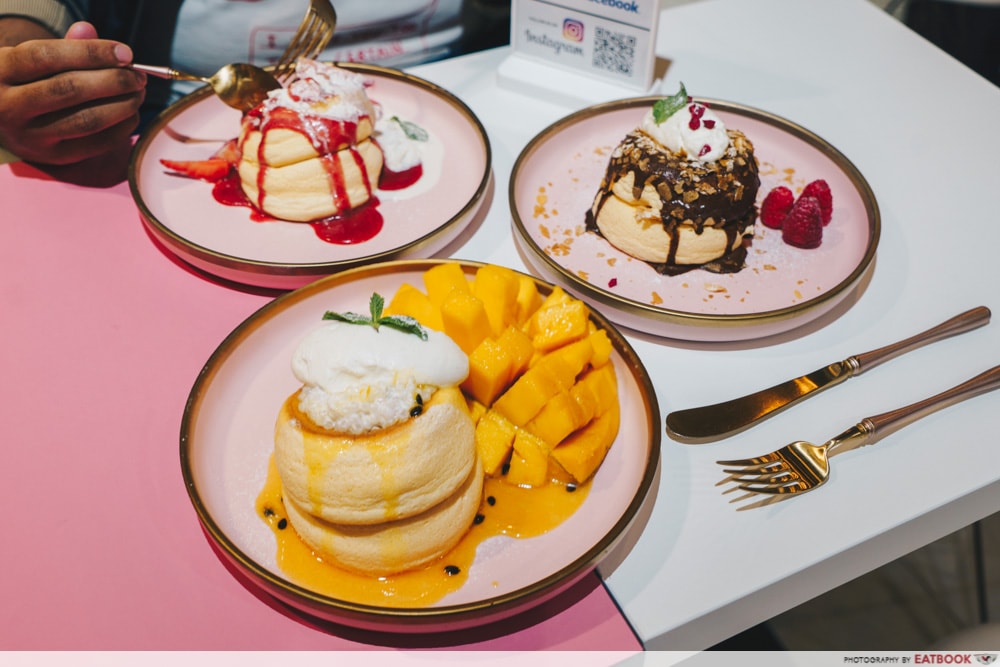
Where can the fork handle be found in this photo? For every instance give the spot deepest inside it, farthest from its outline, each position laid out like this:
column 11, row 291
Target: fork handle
column 890, row 422
column 165, row 72
column 967, row 321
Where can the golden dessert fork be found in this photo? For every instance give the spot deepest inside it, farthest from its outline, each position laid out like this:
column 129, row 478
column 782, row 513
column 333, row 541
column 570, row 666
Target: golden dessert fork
column 800, row 466
column 312, row 36
column 243, row 86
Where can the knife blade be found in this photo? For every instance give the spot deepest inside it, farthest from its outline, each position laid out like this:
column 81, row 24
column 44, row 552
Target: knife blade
column 712, row 422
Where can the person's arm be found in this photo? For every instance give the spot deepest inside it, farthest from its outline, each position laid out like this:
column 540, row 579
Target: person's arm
column 65, row 101
column 16, row 29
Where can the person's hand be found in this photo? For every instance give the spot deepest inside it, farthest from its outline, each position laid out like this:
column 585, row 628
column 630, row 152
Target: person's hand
column 66, row 101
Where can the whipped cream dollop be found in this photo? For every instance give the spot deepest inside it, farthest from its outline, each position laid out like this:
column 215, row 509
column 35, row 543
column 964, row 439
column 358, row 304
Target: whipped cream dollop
column 694, row 130
column 357, row 378
column 323, row 90
column 399, row 151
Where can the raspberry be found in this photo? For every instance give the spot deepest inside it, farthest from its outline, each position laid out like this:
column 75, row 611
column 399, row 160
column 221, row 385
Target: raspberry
column 803, row 226
column 821, row 191
column 775, row 206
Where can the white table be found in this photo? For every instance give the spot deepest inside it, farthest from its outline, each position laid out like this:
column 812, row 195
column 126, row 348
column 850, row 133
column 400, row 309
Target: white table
column 922, row 129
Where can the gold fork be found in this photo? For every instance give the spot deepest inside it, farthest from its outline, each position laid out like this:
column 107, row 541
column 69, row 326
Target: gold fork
column 800, row 466
column 312, row 36
column 244, row 86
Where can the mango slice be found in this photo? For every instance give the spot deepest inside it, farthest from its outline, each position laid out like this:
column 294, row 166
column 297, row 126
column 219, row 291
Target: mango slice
column 410, row 301
column 497, row 287
column 528, row 298
column 528, row 394
column 529, row 463
column 560, row 416
column 464, row 319
column 491, row 367
column 441, row 279
column 581, row 453
column 520, row 348
column 560, row 324
column 494, row 441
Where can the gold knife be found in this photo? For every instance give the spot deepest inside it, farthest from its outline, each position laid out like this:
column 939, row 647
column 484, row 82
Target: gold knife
column 713, row 422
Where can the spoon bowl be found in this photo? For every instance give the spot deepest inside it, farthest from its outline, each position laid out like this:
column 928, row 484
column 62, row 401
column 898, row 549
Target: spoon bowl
column 239, row 85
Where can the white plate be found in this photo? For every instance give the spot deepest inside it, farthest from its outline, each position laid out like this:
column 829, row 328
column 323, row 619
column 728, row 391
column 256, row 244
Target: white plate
column 419, row 221
column 227, row 440
column 556, row 176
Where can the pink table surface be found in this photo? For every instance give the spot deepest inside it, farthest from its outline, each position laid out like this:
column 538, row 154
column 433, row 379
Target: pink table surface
column 103, row 336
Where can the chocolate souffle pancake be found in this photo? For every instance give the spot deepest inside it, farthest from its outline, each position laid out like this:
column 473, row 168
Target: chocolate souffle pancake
column 679, row 192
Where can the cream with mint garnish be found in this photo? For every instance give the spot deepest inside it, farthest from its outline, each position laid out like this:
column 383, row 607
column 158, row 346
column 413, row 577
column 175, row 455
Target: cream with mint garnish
column 376, row 451
column 357, row 378
column 679, row 191
column 401, row 142
column 686, row 127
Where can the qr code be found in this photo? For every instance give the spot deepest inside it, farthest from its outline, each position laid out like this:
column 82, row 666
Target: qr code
column 614, row 51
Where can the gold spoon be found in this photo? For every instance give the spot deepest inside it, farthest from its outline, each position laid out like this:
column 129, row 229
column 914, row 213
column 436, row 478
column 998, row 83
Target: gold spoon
column 239, row 85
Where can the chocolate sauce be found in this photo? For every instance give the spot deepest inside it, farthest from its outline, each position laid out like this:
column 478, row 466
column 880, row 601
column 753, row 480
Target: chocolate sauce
column 693, row 193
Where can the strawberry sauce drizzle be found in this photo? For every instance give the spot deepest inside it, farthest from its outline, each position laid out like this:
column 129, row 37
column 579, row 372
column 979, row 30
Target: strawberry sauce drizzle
column 397, row 180
column 327, row 136
column 357, row 225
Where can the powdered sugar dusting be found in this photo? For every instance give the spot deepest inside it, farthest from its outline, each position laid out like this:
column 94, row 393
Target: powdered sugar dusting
column 325, row 91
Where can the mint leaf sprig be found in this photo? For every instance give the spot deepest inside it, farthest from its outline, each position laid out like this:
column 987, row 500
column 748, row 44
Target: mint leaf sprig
column 411, row 130
column 376, row 319
column 668, row 106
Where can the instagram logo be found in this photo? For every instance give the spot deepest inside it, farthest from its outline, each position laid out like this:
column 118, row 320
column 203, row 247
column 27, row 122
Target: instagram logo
column 573, row 30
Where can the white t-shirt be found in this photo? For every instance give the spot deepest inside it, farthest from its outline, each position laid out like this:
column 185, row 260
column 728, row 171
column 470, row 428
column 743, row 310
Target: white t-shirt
column 394, row 33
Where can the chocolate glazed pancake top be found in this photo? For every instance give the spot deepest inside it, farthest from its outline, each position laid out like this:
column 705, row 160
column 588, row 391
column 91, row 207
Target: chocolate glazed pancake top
column 709, row 193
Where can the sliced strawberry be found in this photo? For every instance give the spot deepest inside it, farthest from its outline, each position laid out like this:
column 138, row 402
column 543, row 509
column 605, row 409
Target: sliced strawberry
column 775, row 206
column 803, row 226
column 820, row 189
column 211, row 170
column 229, row 152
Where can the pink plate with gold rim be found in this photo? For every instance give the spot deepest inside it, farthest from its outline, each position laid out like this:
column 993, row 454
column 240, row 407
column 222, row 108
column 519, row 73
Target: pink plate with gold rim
column 227, row 437
column 781, row 287
column 419, row 221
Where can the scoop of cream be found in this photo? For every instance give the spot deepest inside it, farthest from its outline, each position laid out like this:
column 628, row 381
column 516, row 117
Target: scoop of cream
column 694, row 130
column 357, row 378
column 399, row 150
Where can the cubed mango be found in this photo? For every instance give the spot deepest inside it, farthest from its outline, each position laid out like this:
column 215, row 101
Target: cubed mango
column 560, row 324
column 529, row 299
column 528, row 394
column 519, row 346
column 596, row 390
column 410, row 301
column 494, row 441
column 560, row 416
column 465, row 320
column 529, row 463
column 491, row 367
column 497, row 288
column 581, row 453
column 441, row 279
column 476, row 410
column 567, row 362
column 603, row 347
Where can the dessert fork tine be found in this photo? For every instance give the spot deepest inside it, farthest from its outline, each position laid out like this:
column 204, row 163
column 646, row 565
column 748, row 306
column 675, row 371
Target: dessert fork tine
column 312, row 36
column 801, row 466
